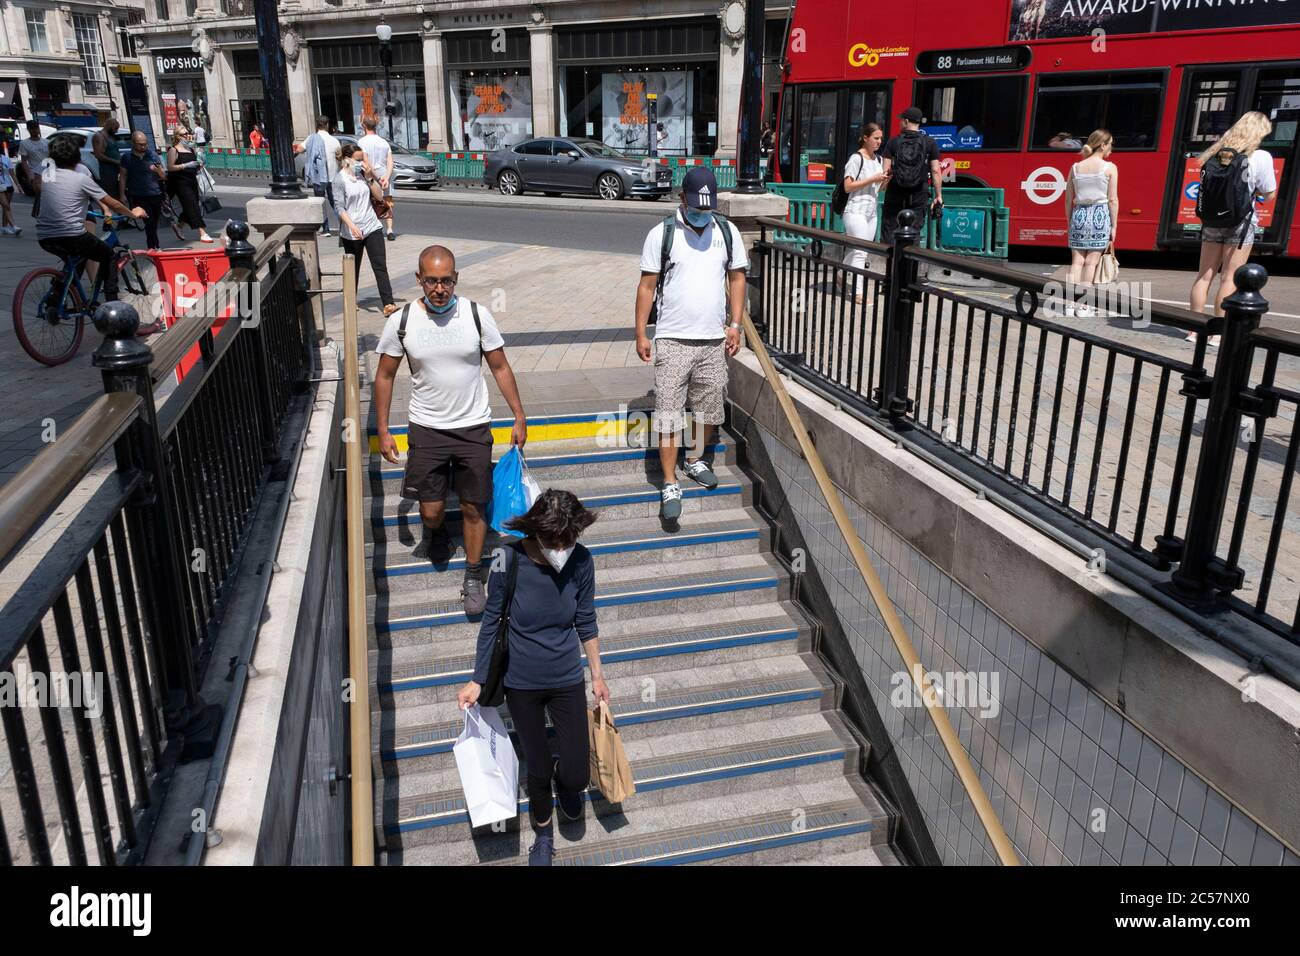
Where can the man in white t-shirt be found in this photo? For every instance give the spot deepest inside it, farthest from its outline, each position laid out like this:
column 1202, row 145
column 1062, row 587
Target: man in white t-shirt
column 700, row 288
column 380, row 155
column 449, row 414
column 32, row 155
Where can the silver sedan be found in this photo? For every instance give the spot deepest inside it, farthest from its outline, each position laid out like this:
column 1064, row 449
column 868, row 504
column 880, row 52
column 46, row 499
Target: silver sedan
column 555, row 166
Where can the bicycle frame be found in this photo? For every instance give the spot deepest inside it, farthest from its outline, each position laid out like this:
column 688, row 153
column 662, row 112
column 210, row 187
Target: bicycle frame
column 74, row 268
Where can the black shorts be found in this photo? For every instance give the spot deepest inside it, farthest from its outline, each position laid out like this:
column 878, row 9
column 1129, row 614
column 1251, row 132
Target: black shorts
column 435, row 455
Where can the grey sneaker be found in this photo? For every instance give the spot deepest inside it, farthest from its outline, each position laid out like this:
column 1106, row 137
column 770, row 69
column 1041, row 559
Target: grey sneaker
column 702, row 473
column 474, row 594
column 670, row 508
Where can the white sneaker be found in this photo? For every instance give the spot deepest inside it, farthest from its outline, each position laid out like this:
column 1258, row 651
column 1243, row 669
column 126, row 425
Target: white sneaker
column 10, row 230
column 1083, row 312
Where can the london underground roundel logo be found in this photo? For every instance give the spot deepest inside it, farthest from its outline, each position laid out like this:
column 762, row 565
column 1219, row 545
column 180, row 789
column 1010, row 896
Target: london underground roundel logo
column 1044, row 185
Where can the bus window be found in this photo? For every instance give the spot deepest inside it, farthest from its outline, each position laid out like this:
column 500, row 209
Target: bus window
column 990, row 108
column 1278, row 98
column 1069, row 107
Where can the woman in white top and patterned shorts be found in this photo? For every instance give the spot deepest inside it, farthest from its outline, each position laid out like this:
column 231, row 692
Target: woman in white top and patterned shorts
column 863, row 176
column 1225, row 250
column 1091, row 208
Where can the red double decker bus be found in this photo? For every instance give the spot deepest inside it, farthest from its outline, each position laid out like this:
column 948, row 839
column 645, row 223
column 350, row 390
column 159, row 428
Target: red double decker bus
column 1011, row 88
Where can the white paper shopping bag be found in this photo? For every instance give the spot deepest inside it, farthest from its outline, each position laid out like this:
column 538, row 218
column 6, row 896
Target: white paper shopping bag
column 488, row 767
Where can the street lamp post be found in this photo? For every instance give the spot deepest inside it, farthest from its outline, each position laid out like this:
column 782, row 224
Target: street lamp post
column 385, row 34
column 748, row 178
column 275, row 73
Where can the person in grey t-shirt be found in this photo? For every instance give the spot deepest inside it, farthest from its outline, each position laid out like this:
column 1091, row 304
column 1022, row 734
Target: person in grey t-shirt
column 61, row 226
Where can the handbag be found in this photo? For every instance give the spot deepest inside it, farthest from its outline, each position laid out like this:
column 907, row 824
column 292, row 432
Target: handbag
column 383, row 207
column 1108, row 267
column 493, row 692
column 208, row 189
column 610, row 769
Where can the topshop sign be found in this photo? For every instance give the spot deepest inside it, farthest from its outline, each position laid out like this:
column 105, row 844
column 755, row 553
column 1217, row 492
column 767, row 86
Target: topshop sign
column 185, row 63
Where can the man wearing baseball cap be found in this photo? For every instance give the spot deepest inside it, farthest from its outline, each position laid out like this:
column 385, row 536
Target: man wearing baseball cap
column 693, row 274
column 911, row 166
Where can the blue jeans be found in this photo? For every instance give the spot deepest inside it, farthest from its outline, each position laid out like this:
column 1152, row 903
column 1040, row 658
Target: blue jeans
column 326, row 191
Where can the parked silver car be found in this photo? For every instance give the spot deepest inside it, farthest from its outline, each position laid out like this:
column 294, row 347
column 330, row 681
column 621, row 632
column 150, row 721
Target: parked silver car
column 555, row 166
column 409, row 169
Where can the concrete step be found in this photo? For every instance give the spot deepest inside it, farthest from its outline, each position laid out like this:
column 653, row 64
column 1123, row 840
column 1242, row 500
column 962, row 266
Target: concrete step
column 611, row 497
column 581, row 458
column 693, row 587
column 631, row 542
column 429, row 807
column 777, row 824
column 879, row 855
column 427, row 673
column 420, row 736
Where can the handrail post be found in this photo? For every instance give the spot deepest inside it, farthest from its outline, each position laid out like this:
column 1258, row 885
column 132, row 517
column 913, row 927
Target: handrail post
column 896, row 346
column 123, row 361
column 1202, row 572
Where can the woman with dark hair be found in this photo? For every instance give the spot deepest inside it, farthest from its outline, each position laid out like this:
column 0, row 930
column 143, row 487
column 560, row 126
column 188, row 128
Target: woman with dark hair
column 552, row 616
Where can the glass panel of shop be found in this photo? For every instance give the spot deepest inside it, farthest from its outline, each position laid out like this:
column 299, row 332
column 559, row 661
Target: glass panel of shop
column 489, row 89
column 605, row 75
column 350, row 83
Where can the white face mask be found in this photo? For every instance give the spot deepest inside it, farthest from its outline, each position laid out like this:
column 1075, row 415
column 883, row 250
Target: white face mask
column 557, row 559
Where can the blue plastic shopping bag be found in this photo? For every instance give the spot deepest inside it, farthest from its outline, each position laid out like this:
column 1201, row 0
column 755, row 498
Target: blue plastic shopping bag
column 511, row 495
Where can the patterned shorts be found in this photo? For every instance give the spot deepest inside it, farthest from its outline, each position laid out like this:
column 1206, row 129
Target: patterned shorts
column 694, row 369
column 1090, row 227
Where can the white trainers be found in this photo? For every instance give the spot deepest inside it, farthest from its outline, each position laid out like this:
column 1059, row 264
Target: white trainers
column 11, row 230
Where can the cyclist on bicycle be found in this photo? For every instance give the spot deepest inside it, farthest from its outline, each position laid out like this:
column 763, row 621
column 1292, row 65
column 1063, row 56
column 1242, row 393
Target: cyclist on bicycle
column 61, row 226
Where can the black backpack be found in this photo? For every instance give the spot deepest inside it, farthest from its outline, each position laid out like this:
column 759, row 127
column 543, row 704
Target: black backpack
column 1225, row 199
column 911, row 167
column 666, row 264
column 840, row 197
column 401, row 328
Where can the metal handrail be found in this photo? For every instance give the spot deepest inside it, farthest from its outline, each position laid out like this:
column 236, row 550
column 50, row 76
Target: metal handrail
column 363, row 795
column 43, row 484
column 957, row 753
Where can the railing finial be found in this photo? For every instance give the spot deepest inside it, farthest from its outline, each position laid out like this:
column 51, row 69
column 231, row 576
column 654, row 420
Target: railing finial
column 118, row 322
column 239, row 250
column 1249, row 280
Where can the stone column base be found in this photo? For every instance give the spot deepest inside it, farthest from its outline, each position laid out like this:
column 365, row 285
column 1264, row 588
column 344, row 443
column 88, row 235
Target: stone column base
column 304, row 216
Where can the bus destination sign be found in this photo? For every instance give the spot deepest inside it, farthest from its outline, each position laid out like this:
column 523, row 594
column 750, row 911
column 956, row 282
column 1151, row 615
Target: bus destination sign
column 988, row 59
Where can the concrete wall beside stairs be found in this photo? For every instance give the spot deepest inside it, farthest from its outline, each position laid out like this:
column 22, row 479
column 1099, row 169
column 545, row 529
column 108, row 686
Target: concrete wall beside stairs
column 1119, row 735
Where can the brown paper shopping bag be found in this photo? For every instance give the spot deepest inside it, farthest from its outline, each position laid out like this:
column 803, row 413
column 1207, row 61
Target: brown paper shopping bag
column 609, row 767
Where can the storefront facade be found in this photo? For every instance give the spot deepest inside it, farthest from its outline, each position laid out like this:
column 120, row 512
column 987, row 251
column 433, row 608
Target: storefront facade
column 475, row 78
column 181, row 90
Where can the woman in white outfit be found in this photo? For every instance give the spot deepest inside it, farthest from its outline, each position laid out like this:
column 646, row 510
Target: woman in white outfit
column 864, row 174
column 1092, row 210
column 1225, row 250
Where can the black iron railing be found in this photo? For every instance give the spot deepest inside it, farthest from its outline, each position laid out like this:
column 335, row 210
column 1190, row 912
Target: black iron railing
column 132, row 589
column 1185, row 462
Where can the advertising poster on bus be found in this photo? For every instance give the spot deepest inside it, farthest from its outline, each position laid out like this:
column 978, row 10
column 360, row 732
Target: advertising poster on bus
column 1051, row 19
column 625, row 110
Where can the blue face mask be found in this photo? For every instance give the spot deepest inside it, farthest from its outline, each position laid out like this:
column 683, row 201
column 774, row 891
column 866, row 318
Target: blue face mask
column 440, row 309
column 699, row 218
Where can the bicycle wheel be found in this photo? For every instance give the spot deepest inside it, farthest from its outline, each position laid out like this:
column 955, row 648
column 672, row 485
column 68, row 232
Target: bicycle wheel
column 138, row 286
column 48, row 332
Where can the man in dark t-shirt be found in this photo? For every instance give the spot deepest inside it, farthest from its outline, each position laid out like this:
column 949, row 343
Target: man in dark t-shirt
column 911, row 165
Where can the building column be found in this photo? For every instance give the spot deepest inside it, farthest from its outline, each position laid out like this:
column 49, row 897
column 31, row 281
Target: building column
column 541, row 61
column 435, row 91
column 302, row 98
column 731, row 74
column 219, row 79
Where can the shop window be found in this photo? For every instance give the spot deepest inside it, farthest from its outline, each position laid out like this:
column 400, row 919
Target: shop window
column 1069, row 107
column 490, row 109
column 977, row 112
column 611, row 104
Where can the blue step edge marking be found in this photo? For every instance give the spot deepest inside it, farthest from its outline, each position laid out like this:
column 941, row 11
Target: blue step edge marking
column 752, row 846
column 698, row 710
column 613, row 600
column 589, row 795
column 577, row 458
column 617, row 657
column 612, row 547
column 589, row 501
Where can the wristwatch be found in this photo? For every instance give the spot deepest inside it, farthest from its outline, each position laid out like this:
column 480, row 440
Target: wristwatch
column 734, row 325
